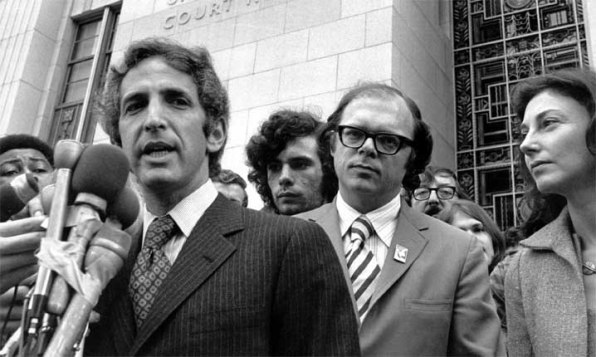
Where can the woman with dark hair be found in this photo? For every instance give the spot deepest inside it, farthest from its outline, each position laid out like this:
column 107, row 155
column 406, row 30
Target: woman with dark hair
column 470, row 217
column 550, row 286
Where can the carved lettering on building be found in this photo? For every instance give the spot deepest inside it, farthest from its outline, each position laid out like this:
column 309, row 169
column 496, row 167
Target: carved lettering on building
column 201, row 11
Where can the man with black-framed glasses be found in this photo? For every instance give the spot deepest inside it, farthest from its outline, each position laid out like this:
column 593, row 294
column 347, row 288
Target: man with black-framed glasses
column 418, row 286
column 438, row 187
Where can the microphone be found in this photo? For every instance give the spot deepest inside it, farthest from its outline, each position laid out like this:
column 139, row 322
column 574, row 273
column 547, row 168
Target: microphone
column 66, row 155
column 125, row 208
column 106, row 255
column 100, row 175
column 15, row 195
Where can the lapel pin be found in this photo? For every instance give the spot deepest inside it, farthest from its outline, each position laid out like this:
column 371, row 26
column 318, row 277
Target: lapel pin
column 401, row 253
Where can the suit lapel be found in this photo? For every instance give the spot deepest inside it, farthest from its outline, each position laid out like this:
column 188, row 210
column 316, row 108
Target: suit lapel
column 205, row 250
column 407, row 235
column 329, row 221
column 327, row 217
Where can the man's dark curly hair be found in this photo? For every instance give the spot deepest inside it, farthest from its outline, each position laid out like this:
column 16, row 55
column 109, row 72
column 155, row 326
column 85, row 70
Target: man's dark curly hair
column 422, row 146
column 195, row 62
column 274, row 134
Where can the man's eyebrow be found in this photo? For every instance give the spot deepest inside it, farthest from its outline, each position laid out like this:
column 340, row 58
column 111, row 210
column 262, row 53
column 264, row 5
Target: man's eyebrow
column 39, row 159
column 173, row 91
column 10, row 161
column 132, row 96
column 300, row 158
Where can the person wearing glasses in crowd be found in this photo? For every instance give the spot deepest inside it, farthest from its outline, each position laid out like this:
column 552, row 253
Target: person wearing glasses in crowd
column 550, row 285
column 438, row 187
column 419, row 285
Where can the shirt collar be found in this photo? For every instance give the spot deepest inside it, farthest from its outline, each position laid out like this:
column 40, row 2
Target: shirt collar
column 187, row 212
column 383, row 218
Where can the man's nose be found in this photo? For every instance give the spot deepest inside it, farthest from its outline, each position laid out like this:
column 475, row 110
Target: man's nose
column 368, row 146
column 285, row 176
column 155, row 115
column 433, row 196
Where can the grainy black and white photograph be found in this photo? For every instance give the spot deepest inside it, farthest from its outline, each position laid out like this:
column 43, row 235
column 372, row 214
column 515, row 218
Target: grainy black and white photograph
column 297, row 178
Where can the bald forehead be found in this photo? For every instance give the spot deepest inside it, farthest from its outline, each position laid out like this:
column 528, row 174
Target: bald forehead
column 365, row 111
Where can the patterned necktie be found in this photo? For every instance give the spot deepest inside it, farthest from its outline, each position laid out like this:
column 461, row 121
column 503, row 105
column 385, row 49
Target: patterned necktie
column 362, row 265
column 151, row 267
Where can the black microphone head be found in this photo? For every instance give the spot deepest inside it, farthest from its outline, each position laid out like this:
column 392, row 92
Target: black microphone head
column 67, row 153
column 102, row 170
column 10, row 202
column 125, row 207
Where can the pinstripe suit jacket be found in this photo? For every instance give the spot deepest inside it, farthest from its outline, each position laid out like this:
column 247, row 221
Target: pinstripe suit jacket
column 245, row 283
column 437, row 303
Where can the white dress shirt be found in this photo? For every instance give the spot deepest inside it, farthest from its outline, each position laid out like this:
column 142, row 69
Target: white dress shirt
column 186, row 214
column 383, row 220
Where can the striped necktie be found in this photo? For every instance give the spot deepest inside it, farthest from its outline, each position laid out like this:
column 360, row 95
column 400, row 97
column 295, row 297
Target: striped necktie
column 362, row 265
column 151, row 267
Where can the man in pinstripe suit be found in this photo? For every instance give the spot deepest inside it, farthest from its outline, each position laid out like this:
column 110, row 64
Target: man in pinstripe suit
column 238, row 282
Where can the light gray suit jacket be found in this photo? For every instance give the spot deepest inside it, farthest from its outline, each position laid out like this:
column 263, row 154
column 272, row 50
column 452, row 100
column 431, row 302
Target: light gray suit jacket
column 436, row 303
column 544, row 295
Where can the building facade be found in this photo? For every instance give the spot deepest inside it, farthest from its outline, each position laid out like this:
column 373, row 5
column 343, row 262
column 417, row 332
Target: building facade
column 298, row 54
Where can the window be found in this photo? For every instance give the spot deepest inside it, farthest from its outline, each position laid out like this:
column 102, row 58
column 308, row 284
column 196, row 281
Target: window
column 491, row 182
column 485, row 30
column 87, row 66
column 487, row 74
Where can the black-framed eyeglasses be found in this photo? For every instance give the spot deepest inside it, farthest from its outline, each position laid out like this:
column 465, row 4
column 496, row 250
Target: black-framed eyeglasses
column 385, row 143
column 443, row 193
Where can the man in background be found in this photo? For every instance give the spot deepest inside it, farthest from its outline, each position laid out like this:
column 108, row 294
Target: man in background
column 231, row 185
column 419, row 286
column 438, row 186
column 287, row 163
column 22, row 154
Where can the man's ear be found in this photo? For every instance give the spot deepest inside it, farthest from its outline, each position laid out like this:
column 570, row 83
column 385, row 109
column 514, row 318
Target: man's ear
column 216, row 137
column 332, row 140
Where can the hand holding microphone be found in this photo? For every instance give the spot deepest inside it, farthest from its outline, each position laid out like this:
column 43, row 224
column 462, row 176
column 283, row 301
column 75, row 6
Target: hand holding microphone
column 100, row 175
column 106, row 254
column 18, row 241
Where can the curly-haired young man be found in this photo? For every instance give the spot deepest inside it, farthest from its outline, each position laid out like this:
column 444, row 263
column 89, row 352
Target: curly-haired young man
column 292, row 172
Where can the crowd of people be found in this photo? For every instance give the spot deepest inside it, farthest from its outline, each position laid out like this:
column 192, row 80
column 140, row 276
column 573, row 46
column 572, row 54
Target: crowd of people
column 361, row 248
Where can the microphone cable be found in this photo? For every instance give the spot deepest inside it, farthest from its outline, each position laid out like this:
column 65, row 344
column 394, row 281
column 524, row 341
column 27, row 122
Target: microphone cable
column 13, row 300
